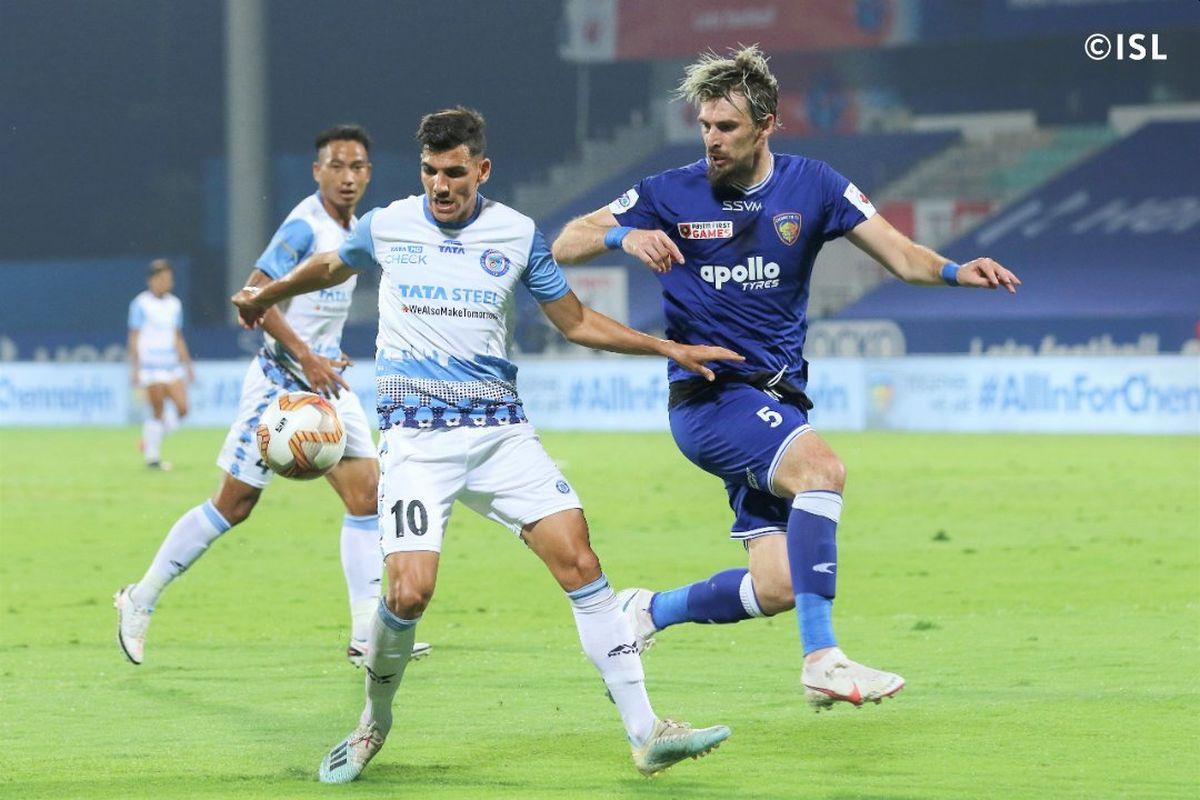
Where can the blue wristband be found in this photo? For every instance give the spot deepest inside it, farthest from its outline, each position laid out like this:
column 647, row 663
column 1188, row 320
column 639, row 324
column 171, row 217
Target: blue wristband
column 950, row 274
column 615, row 236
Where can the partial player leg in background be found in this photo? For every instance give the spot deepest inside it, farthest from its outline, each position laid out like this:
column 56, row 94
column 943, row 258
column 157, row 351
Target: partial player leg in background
column 174, row 414
column 154, row 428
column 185, row 542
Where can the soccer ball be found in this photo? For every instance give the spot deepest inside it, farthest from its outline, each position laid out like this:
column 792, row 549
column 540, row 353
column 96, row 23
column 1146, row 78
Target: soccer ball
column 300, row 436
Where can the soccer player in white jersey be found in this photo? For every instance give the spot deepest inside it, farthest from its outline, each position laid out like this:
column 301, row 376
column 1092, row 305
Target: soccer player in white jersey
column 454, row 427
column 302, row 351
column 158, row 358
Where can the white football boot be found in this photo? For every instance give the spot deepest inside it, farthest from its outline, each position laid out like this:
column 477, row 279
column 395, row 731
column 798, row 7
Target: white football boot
column 132, row 621
column 670, row 742
column 350, row 756
column 635, row 605
column 356, row 651
column 834, row 678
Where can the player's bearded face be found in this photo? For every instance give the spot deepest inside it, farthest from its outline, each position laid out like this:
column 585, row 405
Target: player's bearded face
column 731, row 140
column 451, row 179
column 342, row 172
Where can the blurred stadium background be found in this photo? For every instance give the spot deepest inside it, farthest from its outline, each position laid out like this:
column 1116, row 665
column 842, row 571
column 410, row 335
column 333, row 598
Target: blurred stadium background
column 160, row 129
column 1047, row 617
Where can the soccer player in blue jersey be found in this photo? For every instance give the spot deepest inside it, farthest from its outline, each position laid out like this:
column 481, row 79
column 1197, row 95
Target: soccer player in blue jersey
column 733, row 238
column 453, row 426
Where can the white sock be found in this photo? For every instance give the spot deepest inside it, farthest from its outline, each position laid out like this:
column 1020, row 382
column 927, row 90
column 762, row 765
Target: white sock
column 153, row 431
column 611, row 645
column 388, row 652
column 170, row 420
column 362, row 564
column 187, row 540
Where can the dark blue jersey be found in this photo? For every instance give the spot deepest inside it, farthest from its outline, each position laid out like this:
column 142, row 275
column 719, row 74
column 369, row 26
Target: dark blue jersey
column 749, row 255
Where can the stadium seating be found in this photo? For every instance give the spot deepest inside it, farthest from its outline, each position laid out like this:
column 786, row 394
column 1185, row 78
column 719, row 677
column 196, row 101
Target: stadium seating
column 1107, row 248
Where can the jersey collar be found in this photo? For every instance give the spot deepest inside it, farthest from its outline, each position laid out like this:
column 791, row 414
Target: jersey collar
column 760, row 184
column 454, row 226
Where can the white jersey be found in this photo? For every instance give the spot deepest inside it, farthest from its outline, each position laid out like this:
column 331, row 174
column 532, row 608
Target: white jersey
column 442, row 349
column 317, row 317
column 157, row 320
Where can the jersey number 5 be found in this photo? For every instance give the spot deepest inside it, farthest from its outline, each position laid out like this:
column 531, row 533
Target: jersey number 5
column 772, row 418
column 417, row 518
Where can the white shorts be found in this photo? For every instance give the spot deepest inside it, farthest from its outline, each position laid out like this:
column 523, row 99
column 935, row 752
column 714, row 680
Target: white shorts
column 500, row 472
column 151, row 376
column 239, row 455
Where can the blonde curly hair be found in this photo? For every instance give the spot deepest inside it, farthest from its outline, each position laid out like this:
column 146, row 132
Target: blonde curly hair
column 745, row 72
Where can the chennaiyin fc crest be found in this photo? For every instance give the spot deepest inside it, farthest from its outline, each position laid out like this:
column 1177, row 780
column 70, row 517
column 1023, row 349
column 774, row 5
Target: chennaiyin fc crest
column 787, row 225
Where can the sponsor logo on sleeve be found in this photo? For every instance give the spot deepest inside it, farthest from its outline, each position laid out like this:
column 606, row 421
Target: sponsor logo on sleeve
column 494, row 262
column 624, row 202
column 787, row 225
column 859, row 200
column 718, row 229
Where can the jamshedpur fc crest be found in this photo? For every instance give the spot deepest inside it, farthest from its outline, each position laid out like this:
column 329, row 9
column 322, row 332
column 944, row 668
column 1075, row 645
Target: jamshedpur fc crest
column 787, row 225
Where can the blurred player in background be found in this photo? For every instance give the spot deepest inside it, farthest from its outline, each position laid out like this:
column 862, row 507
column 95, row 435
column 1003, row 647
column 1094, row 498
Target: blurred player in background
column 745, row 226
column 301, row 352
column 453, row 426
column 158, row 358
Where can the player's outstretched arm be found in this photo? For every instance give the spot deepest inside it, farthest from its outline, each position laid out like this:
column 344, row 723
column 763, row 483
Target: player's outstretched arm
column 589, row 328
column 318, row 271
column 588, row 236
column 320, row 374
column 912, row 263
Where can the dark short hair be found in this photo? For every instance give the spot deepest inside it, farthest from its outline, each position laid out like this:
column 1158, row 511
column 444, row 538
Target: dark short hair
column 344, row 133
column 447, row 129
column 158, row 265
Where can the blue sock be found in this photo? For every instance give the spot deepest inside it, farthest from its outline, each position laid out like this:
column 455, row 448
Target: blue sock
column 725, row 597
column 812, row 557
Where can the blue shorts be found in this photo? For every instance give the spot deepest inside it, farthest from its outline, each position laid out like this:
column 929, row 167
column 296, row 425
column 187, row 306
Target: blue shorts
column 739, row 433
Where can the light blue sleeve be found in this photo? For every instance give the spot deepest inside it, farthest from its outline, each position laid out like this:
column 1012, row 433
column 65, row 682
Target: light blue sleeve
column 543, row 277
column 179, row 318
column 290, row 245
column 137, row 316
column 358, row 251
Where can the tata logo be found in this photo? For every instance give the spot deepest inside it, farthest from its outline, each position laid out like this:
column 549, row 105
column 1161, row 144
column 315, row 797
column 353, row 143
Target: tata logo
column 754, row 274
column 424, row 292
column 335, row 295
column 453, row 247
column 720, row 229
column 741, row 205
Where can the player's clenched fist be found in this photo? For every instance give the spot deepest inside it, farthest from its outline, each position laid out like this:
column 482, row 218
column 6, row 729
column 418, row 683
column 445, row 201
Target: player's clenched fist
column 250, row 311
column 693, row 356
column 653, row 248
column 985, row 273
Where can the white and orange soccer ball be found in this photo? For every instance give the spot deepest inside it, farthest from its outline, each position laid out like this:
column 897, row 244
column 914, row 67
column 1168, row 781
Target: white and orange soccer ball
column 300, row 436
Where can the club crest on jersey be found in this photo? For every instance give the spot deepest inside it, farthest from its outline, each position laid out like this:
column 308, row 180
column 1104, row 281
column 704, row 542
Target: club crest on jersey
column 494, row 262
column 624, row 202
column 787, row 225
column 718, row 229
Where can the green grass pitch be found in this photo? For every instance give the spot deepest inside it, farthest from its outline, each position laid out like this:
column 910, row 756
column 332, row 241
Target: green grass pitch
column 1040, row 594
